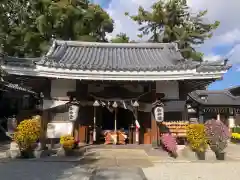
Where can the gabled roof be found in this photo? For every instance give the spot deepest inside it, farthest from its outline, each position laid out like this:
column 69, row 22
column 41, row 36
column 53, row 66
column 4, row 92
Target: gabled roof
column 120, row 57
column 235, row 91
column 114, row 61
column 114, row 56
column 215, row 98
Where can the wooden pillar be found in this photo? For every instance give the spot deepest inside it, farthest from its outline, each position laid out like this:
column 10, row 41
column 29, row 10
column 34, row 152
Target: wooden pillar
column 82, row 94
column 183, row 93
column 231, row 120
column 44, row 122
column 76, row 129
column 200, row 117
column 154, row 128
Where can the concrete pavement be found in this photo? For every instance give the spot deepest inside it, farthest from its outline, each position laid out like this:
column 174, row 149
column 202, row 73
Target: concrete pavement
column 193, row 171
column 102, row 164
column 33, row 170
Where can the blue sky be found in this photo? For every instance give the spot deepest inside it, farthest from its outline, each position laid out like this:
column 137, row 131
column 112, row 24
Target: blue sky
column 103, row 3
column 219, row 46
column 232, row 77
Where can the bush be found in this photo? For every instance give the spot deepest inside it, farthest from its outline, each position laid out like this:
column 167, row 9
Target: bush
column 217, row 134
column 196, row 137
column 169, row 142
column 27, row 133
column 236, row 130
column 67, row 141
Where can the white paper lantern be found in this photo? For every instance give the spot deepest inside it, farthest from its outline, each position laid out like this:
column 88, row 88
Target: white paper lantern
column 159, row 114
column 73, row 112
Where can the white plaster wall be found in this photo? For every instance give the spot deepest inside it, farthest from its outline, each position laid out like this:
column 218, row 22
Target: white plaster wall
column 169, row 88
column 60, row 87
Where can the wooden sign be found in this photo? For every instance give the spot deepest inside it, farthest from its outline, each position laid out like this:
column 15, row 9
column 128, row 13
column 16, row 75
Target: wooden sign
column 58, row 129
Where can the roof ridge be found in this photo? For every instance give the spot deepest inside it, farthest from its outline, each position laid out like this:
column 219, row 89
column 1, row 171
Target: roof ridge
column 233, row 87
column 25, row 58
column 118, row 45
column 225, row 91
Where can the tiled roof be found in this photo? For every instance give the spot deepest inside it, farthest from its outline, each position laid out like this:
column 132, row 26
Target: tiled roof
column 24, row 62
column 16, row 87
column 215, row 98
column 115, row 57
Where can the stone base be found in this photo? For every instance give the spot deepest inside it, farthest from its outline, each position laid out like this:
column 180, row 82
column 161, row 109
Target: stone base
column 14, row 151
column 13, row 154
column 188, row 153
column 74, row 152
column 43, row 153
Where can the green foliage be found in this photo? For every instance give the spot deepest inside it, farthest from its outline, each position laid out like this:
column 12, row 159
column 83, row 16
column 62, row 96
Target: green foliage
column 236, row 130
column 27, row 26
column 172, row 21
column 121, row 38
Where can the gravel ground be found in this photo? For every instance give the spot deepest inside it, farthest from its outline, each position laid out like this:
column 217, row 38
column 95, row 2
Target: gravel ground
column 193, row 171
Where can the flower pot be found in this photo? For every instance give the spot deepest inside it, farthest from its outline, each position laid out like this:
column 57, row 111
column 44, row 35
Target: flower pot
column 200, row 155
column 155, row 145
column 235, row 141
column 27, row 154
column 220, row 156
column 173, row 154
column 68, row 152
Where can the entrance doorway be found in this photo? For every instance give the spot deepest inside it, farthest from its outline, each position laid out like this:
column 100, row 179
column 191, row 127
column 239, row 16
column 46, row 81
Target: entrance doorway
column 107, row 119
column 124, row 119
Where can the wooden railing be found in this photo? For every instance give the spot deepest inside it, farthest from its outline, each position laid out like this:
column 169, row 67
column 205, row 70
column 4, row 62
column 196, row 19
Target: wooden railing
column 177, row 128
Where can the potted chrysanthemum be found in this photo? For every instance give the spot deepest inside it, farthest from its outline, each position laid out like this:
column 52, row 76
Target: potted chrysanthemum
column 169, row 144
column 26, row 136
column 68, row 143
column 197, row 140
column 218, row 136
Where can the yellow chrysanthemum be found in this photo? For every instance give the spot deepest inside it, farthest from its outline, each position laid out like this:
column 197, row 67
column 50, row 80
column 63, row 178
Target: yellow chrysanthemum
column 67, row 141
column 236, row 136
column 27, row 133
column 196, row 137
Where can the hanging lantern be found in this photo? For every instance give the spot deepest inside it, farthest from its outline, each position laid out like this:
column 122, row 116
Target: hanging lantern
column 159, row 114
column 73, row 112
column 158, row 111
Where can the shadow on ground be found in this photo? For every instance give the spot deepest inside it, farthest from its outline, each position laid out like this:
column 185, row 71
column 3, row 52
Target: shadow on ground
column 39, row 170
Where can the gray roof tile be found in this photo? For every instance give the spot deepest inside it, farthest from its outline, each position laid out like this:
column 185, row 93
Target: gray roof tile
column 24, row 62
column 115, row 57
column 215, row 98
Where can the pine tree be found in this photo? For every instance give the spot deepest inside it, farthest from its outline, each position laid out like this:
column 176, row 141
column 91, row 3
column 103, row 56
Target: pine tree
column 120, row 38
column 172, row 21
column 28, row 26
